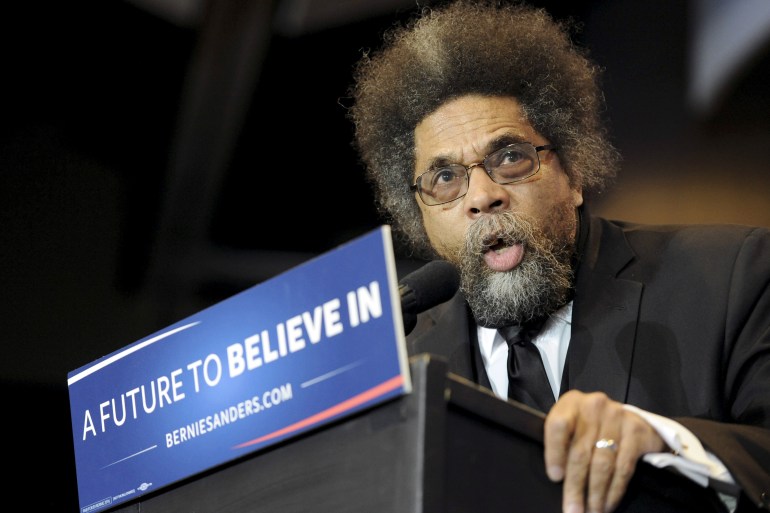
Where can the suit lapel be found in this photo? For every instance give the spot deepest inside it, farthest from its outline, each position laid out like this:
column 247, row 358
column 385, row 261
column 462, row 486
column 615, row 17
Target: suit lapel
column 605, row 314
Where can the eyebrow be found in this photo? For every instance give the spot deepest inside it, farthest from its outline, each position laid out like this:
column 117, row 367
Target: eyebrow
column 503, row 140
column 493, row 145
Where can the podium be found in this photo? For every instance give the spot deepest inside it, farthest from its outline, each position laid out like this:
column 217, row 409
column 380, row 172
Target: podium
column 447, row 447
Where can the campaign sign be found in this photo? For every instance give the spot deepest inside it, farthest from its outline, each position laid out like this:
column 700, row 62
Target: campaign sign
column 315, row 344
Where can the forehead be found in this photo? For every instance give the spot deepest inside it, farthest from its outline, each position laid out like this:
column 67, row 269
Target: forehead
column 464, row 128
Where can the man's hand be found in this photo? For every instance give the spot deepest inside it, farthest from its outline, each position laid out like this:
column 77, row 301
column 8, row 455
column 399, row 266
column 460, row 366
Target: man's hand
column 595, row 475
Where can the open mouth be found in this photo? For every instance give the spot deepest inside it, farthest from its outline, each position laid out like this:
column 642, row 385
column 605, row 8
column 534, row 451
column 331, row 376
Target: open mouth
column 497, row 244
column 502, row 253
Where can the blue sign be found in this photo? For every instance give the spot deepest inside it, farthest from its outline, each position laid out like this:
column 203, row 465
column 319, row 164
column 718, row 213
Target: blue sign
column 314, row 344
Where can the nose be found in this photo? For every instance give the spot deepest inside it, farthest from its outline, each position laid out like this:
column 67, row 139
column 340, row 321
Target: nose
column 484, row 194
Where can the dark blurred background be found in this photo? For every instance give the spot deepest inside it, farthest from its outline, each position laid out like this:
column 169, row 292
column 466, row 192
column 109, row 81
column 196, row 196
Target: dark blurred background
column 145, row 147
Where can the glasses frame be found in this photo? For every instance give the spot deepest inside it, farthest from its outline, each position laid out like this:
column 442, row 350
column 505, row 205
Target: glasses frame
column 482, row 164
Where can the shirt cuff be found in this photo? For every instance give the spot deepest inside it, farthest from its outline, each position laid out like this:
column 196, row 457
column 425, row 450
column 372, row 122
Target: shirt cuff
column 687, row 453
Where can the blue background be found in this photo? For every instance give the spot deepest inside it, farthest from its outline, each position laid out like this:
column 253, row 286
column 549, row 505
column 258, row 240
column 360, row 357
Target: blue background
column 117, row 460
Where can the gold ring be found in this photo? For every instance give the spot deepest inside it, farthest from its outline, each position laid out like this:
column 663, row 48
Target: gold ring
column 607, row 443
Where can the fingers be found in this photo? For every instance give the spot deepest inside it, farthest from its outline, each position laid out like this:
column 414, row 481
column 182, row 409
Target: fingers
column 560, row 427
column 638, row 438
column 624, row 465
column 602, row 474
column 588, row 470
column 593, row 444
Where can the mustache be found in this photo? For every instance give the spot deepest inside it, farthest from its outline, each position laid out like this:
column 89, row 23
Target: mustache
column 535, row 288
column 498, row 229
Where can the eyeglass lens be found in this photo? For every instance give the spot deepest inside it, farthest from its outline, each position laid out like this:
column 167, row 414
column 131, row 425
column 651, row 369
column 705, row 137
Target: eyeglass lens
column 508, row 164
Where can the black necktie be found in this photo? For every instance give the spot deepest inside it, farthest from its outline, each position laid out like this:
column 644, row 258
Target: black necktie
column 527, row 380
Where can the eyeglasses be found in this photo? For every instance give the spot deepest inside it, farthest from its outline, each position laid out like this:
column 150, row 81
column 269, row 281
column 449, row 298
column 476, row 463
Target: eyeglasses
column 509, row 164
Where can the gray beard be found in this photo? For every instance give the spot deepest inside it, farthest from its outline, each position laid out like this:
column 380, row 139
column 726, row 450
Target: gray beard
column 537, row 287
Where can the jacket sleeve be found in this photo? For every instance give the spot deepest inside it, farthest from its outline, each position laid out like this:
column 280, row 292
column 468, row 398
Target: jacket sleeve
column 745, row 451
column 743, row 444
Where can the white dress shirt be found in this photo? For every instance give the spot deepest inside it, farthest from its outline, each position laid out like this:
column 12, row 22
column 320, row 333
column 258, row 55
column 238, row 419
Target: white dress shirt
column 688, row 456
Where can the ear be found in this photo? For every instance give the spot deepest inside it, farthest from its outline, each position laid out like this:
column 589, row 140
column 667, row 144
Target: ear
column 577, row 196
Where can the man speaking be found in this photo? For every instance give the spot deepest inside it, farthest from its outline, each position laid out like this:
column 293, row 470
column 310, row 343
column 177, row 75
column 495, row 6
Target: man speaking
column 480, row 127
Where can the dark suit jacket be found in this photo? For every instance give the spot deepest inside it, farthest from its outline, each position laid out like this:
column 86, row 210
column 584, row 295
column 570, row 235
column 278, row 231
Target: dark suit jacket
column 672, row 319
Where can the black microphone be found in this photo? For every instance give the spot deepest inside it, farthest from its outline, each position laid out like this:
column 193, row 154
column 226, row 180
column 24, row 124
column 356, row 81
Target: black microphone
column 430, row 285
